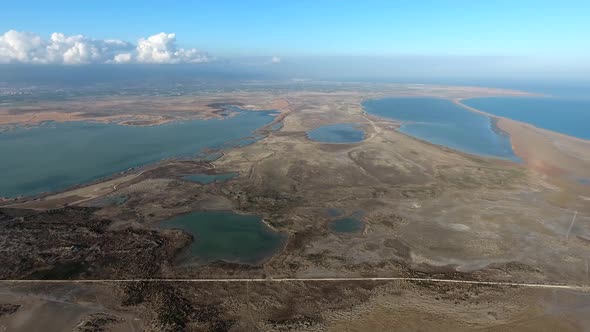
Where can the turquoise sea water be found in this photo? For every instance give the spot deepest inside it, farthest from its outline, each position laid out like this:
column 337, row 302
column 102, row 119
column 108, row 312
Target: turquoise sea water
column 54, row 156
column 441, row 122
column 226, row 236
column 566, row 116
column 337, row 133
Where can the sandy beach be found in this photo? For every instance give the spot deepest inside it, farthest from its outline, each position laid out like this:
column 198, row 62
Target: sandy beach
column 560, row 160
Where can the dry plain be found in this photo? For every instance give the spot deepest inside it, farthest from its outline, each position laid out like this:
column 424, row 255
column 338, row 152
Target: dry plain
column 427, row 212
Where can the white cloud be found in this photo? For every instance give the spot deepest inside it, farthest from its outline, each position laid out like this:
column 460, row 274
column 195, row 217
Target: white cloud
column 26, row 47
column 275, row 59
column 161, row 48
column 123, row 58
column 20, row 46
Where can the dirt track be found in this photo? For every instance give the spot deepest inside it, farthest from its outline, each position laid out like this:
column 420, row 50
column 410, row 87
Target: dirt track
column 264, row 280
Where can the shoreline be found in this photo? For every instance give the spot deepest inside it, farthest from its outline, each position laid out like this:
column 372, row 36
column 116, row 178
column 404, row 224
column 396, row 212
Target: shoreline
column 543, row 156
column 459, row 102
column 135, row 111
column 547, row 152
column 127, row 175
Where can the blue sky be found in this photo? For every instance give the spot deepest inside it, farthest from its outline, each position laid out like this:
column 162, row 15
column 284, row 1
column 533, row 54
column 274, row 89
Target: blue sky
column 495, row 39
column 228, row 28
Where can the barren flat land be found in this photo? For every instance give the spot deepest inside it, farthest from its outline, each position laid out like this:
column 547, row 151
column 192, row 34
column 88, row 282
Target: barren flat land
column 390, row 233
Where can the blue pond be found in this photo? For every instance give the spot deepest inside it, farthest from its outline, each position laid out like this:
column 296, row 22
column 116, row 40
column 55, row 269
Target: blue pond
column 442, row 122
column 226, row 236
column 209, row 178
column 337, row 133
column 54, row 156
column 346, row 225
column 566, row 116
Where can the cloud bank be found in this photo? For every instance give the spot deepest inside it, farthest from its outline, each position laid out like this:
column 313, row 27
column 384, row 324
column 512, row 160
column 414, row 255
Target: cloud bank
column 26, row 47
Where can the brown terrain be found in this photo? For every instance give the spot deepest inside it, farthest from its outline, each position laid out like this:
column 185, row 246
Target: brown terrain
column 428, row 212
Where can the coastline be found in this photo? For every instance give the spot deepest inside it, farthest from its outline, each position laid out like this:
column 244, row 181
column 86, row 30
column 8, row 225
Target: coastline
column 547, row 152
column 137, row 111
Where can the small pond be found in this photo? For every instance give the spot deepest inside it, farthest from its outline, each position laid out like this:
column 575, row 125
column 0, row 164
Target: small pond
column 209, row 178
column 226, row 236
column 346, row 225
column 337, row 133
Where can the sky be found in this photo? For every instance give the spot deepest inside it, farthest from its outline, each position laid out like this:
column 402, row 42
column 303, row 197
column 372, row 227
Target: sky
column 539, row 35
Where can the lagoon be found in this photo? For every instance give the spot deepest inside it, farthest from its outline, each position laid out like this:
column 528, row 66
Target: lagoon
column 442, row 122
column 566, row 116
column 54, row 156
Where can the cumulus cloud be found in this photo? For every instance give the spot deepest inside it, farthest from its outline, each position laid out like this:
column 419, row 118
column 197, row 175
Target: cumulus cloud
column 161, row 48
column 26, row 47
column 275, row 59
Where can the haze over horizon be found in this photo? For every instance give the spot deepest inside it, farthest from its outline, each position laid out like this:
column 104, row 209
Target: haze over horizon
column 375, row 39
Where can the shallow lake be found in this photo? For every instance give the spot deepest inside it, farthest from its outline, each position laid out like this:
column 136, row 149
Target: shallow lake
column 337, row 133
column 441, row 122
column 226, row 236
column 53, row 156
column 346, row 225
column 566, row 116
